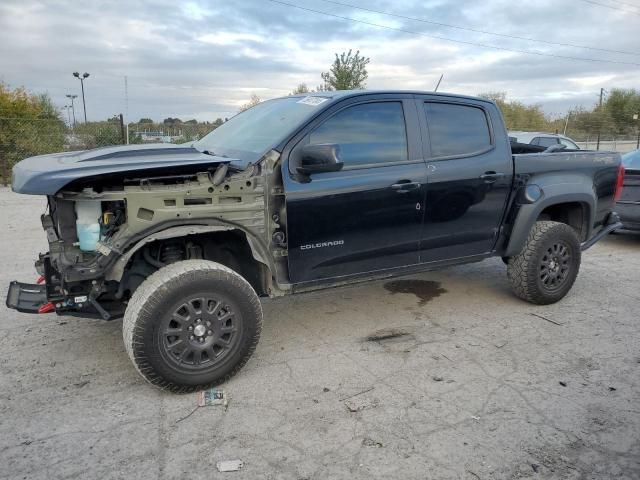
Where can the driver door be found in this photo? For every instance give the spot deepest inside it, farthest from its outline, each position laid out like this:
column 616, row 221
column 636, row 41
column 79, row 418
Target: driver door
column 368, row 216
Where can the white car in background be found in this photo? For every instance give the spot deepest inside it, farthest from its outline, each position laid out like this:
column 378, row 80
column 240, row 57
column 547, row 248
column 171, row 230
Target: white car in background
column 543, row 139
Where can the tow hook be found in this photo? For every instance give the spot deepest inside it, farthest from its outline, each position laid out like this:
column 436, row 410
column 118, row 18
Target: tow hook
column 46, row 308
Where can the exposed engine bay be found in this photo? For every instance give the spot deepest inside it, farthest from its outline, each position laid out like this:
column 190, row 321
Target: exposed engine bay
column 107, row 234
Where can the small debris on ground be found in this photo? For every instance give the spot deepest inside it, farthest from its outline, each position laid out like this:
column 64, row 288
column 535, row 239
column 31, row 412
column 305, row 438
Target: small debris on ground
column 368, row 442
column 356, row 394
column 213, row 396
column 81, row 384
column 229, row 465
column 477, row 419
column 325, row 390
column 564, row 384
column 547, row 319
column 357, row 404
column 387, row 334
column 535, row 467
column 612, row 389
column 437, row 378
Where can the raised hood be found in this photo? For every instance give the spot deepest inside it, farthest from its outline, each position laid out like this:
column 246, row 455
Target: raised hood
column 47, row 174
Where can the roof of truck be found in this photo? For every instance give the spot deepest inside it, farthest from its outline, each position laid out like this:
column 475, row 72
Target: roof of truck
column 335, row 94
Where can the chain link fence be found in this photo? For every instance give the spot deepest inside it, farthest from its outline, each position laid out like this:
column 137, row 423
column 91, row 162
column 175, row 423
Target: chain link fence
column 26, row 137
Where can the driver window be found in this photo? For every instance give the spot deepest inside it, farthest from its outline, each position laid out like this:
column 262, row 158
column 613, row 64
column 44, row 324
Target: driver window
column 369, row 133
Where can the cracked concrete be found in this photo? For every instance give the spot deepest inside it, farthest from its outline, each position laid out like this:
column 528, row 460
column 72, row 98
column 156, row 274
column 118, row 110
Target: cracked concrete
column 72, row 405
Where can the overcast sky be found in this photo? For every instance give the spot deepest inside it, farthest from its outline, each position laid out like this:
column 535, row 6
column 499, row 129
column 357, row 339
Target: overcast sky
column 204, row 59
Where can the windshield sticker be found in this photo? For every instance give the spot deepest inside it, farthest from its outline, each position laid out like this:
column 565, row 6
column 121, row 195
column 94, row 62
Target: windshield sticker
column 313, row 101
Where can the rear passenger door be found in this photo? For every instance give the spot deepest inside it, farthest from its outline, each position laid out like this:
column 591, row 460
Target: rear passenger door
column 470, row 172
column 368, row 216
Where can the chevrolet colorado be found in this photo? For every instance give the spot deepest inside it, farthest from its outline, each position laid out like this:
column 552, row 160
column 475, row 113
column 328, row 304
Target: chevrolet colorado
column 300, row 193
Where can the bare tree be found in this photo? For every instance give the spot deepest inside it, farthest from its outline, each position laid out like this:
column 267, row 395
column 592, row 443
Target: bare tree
column 301, row 88
column 253, row 101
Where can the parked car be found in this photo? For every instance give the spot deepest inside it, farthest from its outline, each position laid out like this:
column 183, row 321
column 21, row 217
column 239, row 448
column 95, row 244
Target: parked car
column 543, row 139
column 629, row 203
column 296, row 194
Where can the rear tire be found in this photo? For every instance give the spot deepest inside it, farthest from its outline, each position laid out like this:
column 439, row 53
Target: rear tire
column 546, row 268
column 192, row 325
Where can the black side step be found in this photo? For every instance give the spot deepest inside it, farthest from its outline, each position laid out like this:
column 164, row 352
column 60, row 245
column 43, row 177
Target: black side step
column 26, row 297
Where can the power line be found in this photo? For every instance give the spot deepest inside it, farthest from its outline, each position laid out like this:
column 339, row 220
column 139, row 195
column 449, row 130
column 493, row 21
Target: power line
column 413, row 32
column 475, row 30
column 633, row 5
column 611, row 7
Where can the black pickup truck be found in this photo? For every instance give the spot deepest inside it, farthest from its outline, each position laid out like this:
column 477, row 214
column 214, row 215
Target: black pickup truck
column 295, row 194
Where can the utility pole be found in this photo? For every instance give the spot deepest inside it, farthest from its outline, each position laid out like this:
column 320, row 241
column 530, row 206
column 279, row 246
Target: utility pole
column 635, row 117
column 72, row 97
column 82, row 78
column 566, row 124
column 126, row 99
column 122, row 131
column 600, row 122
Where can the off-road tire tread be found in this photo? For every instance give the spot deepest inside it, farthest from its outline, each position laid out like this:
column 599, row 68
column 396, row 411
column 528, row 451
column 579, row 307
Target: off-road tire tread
column 148, row 293
column 522, row 268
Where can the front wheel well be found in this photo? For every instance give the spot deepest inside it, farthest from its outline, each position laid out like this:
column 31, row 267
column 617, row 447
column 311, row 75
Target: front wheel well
column 230, row 248
column 574, row 214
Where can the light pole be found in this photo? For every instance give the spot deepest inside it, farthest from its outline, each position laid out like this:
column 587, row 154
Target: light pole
column 73, row 109
column 82, row 79
column 69, row 114
column 635, row 117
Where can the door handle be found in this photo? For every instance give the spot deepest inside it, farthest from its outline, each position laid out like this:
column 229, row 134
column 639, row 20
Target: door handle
column 490, row 177
column 404, row 186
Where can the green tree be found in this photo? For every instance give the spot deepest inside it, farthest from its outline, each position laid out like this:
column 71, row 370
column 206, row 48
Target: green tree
column 618, row 110
column 29, row 125
column 517, row 115
column 348, row 72
column 171, row 122
column 145, row 120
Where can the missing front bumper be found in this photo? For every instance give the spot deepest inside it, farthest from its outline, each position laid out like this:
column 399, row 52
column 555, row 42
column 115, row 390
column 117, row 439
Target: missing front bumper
column 26, row 297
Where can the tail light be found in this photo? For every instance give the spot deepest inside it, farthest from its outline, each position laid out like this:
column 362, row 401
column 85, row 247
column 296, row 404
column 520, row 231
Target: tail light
column 619, row 183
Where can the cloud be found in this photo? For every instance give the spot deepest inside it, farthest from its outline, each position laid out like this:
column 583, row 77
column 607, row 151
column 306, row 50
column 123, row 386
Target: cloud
column 204, row 59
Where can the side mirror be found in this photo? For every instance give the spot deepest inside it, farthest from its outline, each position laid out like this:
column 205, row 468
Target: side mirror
column 319, row 159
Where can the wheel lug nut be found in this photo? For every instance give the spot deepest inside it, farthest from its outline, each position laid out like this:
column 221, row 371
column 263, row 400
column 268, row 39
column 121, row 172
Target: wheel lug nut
column 209, row 332
column 201, row 340
column 191, row 337
column 190, row 327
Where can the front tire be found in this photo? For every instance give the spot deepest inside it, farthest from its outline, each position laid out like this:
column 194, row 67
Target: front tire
column 192, row 325
column 546, row 268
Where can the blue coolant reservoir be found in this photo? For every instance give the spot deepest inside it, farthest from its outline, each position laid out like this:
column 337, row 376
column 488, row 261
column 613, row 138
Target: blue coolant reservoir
column 88, row 214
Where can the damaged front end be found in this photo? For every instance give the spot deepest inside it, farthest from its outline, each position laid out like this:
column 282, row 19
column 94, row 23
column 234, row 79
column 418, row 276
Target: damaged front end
column 71, row 271
column 106, row 235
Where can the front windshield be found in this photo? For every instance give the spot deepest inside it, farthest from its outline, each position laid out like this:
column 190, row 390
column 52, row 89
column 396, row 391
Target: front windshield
column 250, row 134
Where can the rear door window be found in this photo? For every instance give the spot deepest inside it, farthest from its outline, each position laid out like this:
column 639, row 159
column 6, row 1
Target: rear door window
column 569, row 144
column 457, row 130
column 545, row 141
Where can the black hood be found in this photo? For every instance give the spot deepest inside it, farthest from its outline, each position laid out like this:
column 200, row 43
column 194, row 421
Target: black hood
column 47, row 174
